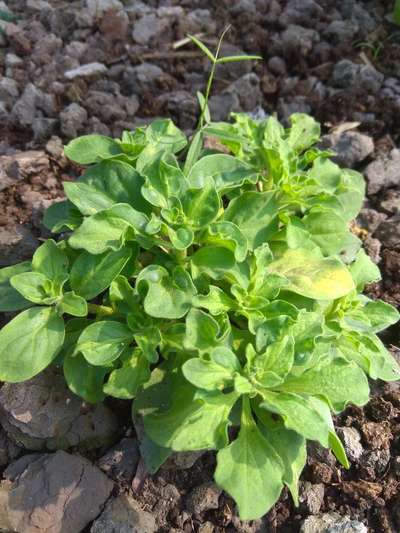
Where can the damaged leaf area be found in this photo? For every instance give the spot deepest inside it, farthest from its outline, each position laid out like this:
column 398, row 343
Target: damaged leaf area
column 220, row 291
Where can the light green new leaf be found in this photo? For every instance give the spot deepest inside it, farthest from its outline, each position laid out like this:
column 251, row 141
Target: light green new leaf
column 202, row 331
column 202, row 47
column 87, row 198
column 29, row 343
column 234, row 59
column 193, row 152
column 50, row 260
column 92, row 274
column 124, row 382
column 168, row 295
column 72, row 304
column 311, row 276
column 339, row 382
column 255, row 214
column 122, row 295
column 364, row 270
column 227, row 172
column 250, row 470
column 275, row 363
column 325, row 173
column 84, row 379
column 304, row 132
column 11, row 299
column 103, row 342
column 165, row 135
column 34, row 287
column 380, row 315
column 328, row 230
column 206, row 374
column 92, row 149
column 214, row 261
column 216, row 301
column 106, row 230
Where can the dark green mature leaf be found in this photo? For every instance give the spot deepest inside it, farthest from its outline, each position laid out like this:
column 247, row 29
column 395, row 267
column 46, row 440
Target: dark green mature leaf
column 62, row 216
column 255, row 214
column 92, row 274
column 11, row 299
column 250, row 470
column 229, row 235
column 84, row 379
column 29, row 343
column 92, row 149
column 103, row 342
column 125, row 381
column 34, row 287
column 201, row 206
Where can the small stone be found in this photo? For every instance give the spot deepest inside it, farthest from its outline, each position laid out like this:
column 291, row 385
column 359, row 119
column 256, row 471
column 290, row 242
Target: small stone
column 319, row 453
column 348, row 74
column 120, row 462
column 149, row 29
column 311, row 497
column 43, row 128
column 12, row 60
column 24, row 109
column 351, row 439
column 373, row 248
column 332, row 523
column 55, row 493
column 377, row 435
column 389, row 232
column 16, row 244
column 124, row 515
column 42, row 413
column 340, row 31
column 181, row 460
column 97, row 8
column 72, row 118
column 390, row 201
column 144, row 77
column 384, row 172
column 55, row 147
column 8, row 90
column 277, row 65
column 370, row 219
column 247, row 90
column 351, row 146
column 374, row 463
column 8, row 449
column 89, row 70
column 298, row 40
column 203, row 498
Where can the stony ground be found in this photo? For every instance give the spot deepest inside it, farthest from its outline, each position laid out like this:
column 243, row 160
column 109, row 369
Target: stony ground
column 74, row 67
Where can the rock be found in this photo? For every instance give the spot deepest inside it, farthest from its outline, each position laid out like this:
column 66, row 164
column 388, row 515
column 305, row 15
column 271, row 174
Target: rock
column 232, row 71
column 318, row 453
column 351, row 439
column 341, row 31
column 298, row 40
column 297, row 104
column 114, row 25
column 203, row 498
column 182, row 106
column 56, row 493
column 105, row 106
column 384, row 172
column 72, row 118
column 373, row 248
column 247, row 90
column 144, row 77
column 90, row 70
column 8, row 90
column 206, row 527
column 277, row 65
column 22, row 166
column 24, row 109
column 377, row 435
column 16, row 244
column 182, row 460
column 221, row 105
column 43, row 128
column 389, row 232
column 311, row 497
column 18, row 39
column 97, row 8
column 200, row 20
column 391, row 201
column 124, row 515
column 332, row 523
column 374, row 464
column 8, row 449
column 55, row 147
column 150, row 28
column 12, row 60
column 370, row 219
column 120, row 462
column 351, row 146
column 348, row 74
column 43, row 413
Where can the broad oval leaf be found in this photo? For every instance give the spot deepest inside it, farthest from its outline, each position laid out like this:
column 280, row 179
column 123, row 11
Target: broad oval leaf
column 103, row 342
column 92, row 149
column 29, row 343
column 227, row 172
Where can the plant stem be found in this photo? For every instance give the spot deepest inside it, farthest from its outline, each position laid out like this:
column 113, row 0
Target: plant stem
column 100, row 309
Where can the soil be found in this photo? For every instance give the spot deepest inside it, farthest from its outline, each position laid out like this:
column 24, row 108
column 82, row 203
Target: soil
column 370, row 490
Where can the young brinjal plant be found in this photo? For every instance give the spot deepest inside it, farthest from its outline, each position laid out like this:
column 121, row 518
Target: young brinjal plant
column 219, row 289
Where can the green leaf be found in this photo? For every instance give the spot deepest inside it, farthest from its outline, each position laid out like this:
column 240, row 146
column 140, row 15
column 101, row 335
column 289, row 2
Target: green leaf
column 10, row 299
column 92, row 274
column 34, row 287
column 339, row 383
column 182, row 238
column 304, row 132
column 72, row 304
column 122, row 295
column 310, row 276
column 29, row 343
column 193, row 152
column 84, row 379
column 205, row 110
column 168, row 295
column 250, row 470
column 364, row 271
column 216, row 301
column 181, row 428
column 206, row 374
column 273, row 366
column 325, row 173
column 92, row 149
column 165, row 135
column 227, row 172
column 328, row 230
column 107, row 229
column 234, row 59
column 227, row 234
column 124, row 382
column 103, row 342
column 201, row 206
column 203, row 48
column 62, row 216
column 381, row 315
column 50, row 260
column 214, row 261
column 255, row 214
column 87, row 198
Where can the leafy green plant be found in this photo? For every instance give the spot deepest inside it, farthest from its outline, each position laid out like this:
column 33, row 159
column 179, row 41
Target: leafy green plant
column 221, row 290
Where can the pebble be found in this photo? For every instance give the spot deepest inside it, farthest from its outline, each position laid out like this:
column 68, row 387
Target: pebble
column 86, row 71
column 352, row 147
column 124, row 515
column 332, row 523
column 384, row 172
